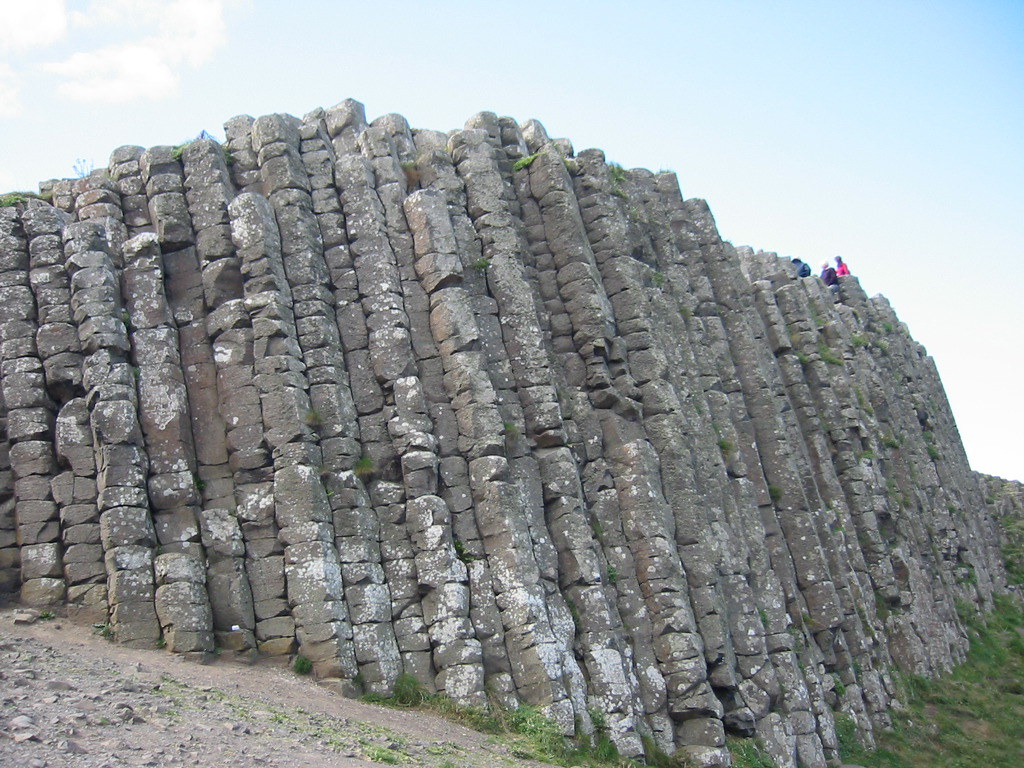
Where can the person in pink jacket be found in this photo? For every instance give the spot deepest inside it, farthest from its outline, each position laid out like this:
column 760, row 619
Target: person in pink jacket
column 841, row 269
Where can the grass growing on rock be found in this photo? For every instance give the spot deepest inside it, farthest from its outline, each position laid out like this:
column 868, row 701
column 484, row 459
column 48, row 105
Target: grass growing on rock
column 970, row 718
column 524, row 162
column 531, row 735
column 364, row 468
column 748, row 753
column 10, row 199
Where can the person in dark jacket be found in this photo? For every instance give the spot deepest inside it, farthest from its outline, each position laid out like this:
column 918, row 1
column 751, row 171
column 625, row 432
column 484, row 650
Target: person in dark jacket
column 829, row 278
column 803, row 269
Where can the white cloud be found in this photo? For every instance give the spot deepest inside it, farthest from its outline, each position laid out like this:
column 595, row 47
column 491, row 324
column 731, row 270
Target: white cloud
column 108, row 12
column 116, row 74
column 28, row 25
column 10, row 98
column 167, row 36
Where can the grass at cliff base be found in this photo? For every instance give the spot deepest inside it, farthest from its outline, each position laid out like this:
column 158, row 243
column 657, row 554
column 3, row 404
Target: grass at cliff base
column 970, row 718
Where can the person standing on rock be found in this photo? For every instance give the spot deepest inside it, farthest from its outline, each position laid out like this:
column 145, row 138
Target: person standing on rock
column 803, row 269
column 841, row 269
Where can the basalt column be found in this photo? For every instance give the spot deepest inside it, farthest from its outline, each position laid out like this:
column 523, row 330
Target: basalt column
column 29, row 425
column 126, row 528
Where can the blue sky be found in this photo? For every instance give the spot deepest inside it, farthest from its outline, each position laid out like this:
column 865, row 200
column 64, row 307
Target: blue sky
column 889, row 132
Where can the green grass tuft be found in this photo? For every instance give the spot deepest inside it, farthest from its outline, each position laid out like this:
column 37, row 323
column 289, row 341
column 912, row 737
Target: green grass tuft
column 524, row 162
column 364, row 468
column 891, row 441
column 748, row 753
column 379, row 754
column 13, row 198
column 828, row 355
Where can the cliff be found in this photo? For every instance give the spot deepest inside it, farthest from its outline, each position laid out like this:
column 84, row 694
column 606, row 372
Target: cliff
column 478, row 409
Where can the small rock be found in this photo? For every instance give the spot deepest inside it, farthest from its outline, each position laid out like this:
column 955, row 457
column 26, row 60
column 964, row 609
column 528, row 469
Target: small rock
column 26, row 616
column 21, row 722
column 72, row 747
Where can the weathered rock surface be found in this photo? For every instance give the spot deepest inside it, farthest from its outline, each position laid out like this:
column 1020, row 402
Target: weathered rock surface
column 478, row 409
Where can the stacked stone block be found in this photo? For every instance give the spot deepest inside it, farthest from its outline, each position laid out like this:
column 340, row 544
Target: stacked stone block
column 125, row 172
column 301, row 509
column 126, row 527
column 330, row 324
column 162, row 176
column 76, row 494
column 181, row 599
column 29, row 423
column 9, row 555
column 375, row 330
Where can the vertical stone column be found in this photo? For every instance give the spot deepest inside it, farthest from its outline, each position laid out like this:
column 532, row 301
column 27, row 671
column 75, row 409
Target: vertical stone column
column 97, row 199
column 165, row 190
column 74, row 490
column 376, row 335
column 126, row 173
column 245, row 171
column 182, row 603
column 301, row 508
column 208, row 191
column 29, row 411
column 75, row 493
column 457, row 652
column 9, row 555
column 240, row 519
column 126, row 529
column 323, row 280
column 236, row 520
column 446, row 258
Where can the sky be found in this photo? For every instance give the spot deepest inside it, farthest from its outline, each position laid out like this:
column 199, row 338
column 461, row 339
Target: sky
column 889, row 132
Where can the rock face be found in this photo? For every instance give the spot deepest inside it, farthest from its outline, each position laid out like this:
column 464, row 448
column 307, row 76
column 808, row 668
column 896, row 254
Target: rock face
column 475, row 408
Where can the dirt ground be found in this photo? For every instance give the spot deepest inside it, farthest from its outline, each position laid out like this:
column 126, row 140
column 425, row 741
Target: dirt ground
column 69, row 697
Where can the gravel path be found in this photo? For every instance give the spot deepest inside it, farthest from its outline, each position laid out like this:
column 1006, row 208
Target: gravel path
column 68, row 697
